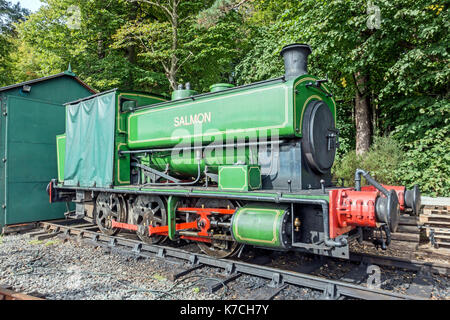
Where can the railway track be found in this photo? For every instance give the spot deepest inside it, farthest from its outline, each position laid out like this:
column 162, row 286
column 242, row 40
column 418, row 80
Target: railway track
column 348, row 286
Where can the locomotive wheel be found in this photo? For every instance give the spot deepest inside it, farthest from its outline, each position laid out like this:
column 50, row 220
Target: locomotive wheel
column 149, row 211
column 107, row 208
column 218, row 248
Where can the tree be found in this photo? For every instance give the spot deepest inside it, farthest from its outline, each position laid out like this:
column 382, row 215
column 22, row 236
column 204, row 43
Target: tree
column 150, row 35
column 356, row 56
column 219, row 9
column 387, row 78
column 9, row 14
column 169, row 38
column 48, row 43
column 387, row 62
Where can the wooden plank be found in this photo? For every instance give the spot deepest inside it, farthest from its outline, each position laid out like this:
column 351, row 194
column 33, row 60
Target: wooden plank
column 36, row 233
column 435, row 215
column 436, row 209
column 445, row 208
column 46, row 235
column 405, row 237
column 18, row 227
column 6, row 294
column 437, row 224
column 407, row 229
column 441, row 244
column 437, row 231
column 214, row 285
column 430, row 229
column 407, row 221
column 178, row 273
column 427, row 220
column 442, row 253
column 440, row 236
column 432, row 211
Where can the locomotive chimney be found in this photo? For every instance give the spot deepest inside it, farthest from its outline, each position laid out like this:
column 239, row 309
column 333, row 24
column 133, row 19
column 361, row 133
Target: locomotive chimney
column 295, row 58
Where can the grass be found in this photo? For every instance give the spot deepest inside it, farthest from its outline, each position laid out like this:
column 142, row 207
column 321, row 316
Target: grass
column 196, row 290
column 51, row 242
column 34, row 242
column 159, row 277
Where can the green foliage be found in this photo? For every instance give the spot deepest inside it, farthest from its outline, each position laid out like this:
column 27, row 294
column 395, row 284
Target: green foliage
column 406, row 62
column 426, row 141
column 215, row 12
column 382, row 161
column 131, row 45
column 9, row 14
column 48, row 45
column 423, row 161
column 214, row 52
column 203, row 54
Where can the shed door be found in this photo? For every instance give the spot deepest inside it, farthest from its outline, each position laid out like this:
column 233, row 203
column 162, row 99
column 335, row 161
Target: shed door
column 31, row 127
column 2, row 155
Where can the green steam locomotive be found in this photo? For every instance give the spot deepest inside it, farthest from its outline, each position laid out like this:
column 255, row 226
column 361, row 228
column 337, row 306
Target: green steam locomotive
column 245, row 165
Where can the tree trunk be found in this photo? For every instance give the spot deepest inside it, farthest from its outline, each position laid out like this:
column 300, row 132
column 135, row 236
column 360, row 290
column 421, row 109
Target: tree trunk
column 100, row 47
column 362, row 115
column 172, row 74
column 131, row 50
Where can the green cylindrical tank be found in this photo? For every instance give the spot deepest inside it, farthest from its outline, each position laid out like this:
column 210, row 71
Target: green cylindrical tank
column 186, row 164
column 272, row 108
column 262, row 225
column 220, row 86
column 239, row 113
column 182, row 93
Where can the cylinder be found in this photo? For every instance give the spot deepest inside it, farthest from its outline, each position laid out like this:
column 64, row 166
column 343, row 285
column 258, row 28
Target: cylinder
column 263, row 226
column 220, row 86
column 295, row 58
column 387, row 210
column 413, row 199
column 182, row 93
column 185, row 164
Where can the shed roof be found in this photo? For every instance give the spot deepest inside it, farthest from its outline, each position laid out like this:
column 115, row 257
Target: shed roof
column 58, row 75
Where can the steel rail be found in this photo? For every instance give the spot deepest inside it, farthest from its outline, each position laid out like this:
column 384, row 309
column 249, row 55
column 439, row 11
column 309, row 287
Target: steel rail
column 278, row 277
column 413, row 265
column 385, row 261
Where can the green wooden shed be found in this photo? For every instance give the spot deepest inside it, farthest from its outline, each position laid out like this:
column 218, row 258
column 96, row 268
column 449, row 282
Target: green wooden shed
column 32, row 114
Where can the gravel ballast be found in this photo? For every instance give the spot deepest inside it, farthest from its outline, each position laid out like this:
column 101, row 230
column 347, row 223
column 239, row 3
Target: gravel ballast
column 60, row 270
column 68, row 270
